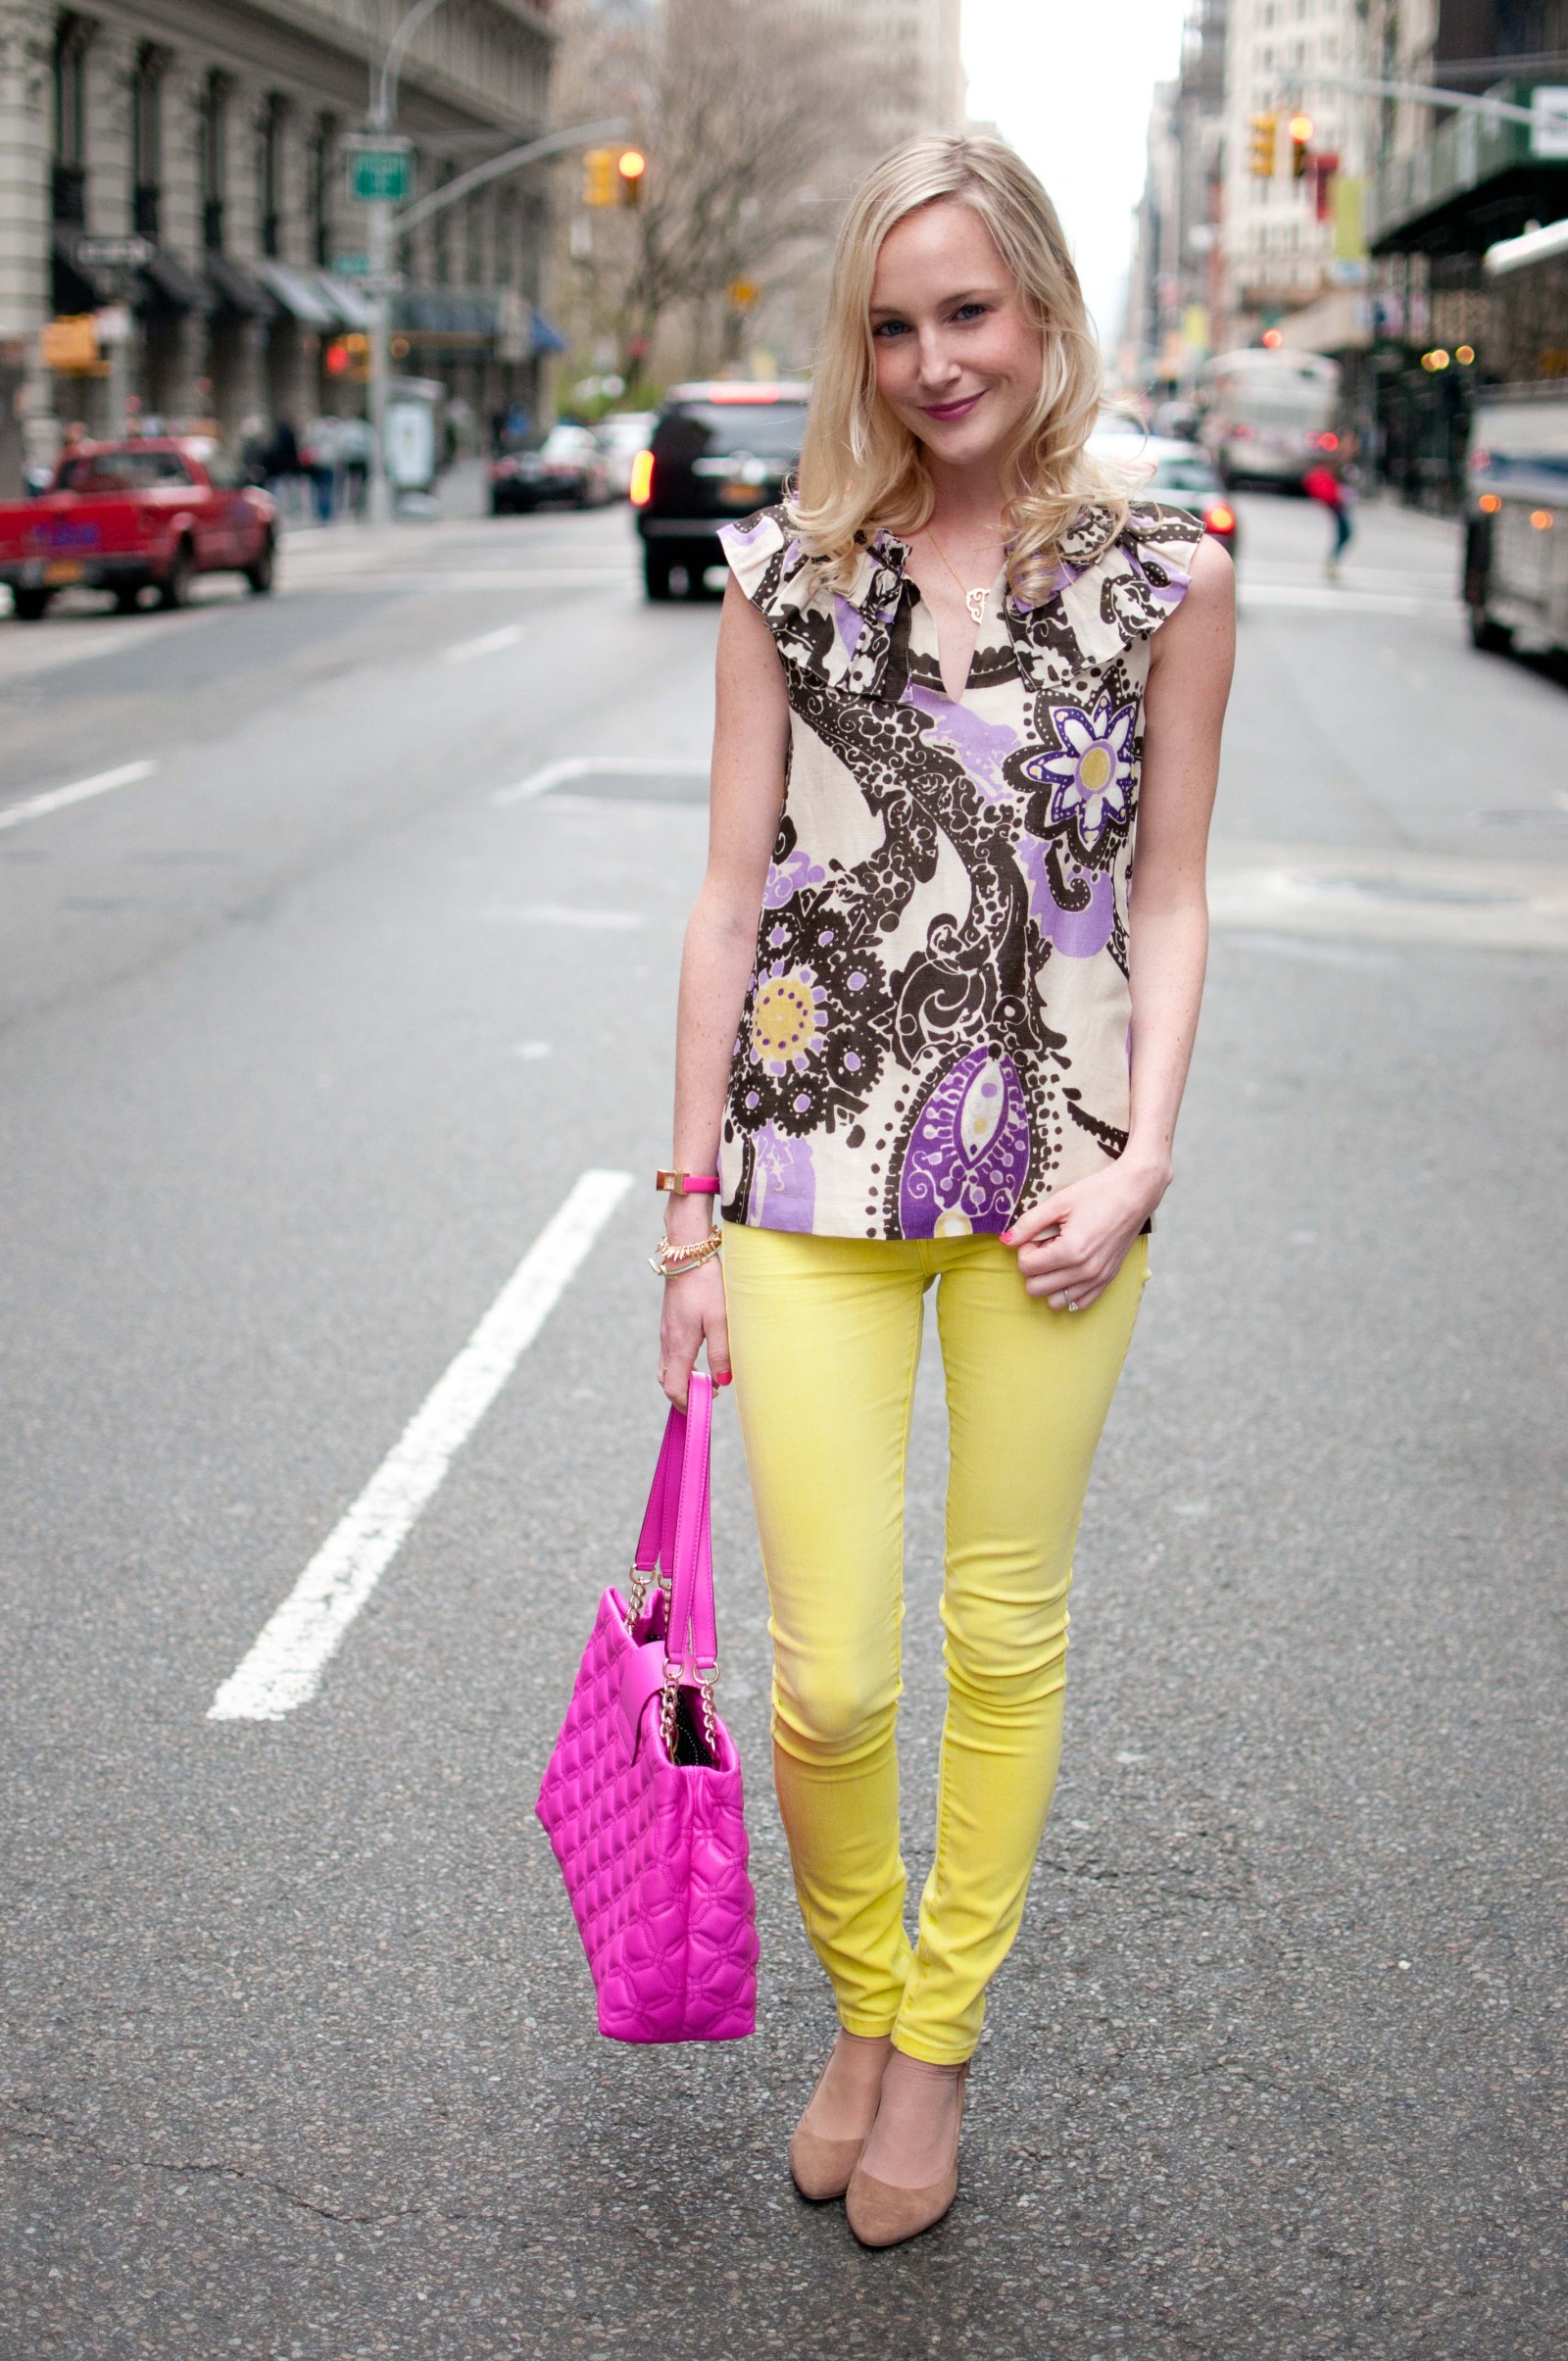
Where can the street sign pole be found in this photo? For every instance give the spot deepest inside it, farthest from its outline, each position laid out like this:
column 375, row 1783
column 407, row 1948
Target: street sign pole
column 379, row 247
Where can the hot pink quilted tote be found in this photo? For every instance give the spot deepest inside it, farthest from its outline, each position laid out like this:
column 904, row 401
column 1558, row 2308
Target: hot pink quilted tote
column 642, row 1796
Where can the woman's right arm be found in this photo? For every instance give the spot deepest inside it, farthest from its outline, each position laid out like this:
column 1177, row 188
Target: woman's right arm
column 751, row 742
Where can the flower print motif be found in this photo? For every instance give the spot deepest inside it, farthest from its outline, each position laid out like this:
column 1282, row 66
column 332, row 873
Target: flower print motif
column 815, row 1036
column 1089, row 783
column 787, row 1005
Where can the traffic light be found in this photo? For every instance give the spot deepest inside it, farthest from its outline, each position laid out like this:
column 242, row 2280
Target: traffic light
column 600, row 182
column 349, row 357
column 1264, row 133
column 1302, row 128
column 630, row 165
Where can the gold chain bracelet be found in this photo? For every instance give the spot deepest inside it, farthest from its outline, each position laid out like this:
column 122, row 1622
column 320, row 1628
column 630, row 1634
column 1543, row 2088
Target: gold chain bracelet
column 670, row 1262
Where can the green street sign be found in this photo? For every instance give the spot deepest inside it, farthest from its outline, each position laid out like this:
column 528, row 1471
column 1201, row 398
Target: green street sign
column 381, row 174
column 351, row 265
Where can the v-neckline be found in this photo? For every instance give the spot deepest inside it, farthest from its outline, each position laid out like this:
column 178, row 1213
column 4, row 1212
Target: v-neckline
column 998, row 591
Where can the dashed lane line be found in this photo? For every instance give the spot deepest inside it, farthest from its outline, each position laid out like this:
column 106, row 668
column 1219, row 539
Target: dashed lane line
column 595, row 767
column 284, row 1668
column 80, row 791
column 489, row 643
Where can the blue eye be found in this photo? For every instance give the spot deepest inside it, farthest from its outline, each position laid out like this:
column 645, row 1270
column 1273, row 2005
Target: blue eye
column 970, row 311
column 889, row 327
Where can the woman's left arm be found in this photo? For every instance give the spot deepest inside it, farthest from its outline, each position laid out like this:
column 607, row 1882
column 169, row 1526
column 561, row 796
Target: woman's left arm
column 1074, row 1243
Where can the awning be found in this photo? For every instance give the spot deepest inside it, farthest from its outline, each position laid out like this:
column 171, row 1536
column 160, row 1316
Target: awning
column 76, row 288
column 465, row 312
column 169, row 285
column 349, row 303
column 545, row 336
column 236, row 290
column 297, row 293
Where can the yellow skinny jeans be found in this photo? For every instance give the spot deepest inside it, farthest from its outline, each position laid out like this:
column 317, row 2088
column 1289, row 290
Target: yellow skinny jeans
column 825, row 1335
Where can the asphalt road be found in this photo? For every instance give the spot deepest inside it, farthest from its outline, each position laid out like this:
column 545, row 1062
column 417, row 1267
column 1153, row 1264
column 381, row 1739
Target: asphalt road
column 307, row 1032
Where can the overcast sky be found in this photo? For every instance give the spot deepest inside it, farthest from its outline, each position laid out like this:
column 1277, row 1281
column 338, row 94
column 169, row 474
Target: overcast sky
column 1068, row 82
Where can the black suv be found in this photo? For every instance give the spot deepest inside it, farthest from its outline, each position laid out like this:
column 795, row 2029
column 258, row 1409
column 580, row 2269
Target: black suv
column 719, row 451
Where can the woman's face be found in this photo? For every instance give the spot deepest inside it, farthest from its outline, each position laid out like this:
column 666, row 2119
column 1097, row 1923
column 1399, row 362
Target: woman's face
column 957, row 357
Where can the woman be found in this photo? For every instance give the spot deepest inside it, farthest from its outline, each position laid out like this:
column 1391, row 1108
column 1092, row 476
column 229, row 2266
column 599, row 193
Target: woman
column 912, row 993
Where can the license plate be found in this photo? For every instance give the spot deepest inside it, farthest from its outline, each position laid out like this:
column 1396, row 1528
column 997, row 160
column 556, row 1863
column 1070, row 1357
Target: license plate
column 63, row 570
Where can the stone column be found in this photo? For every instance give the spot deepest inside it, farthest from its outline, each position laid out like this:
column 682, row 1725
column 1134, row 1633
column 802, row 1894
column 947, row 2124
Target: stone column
column 28, row 428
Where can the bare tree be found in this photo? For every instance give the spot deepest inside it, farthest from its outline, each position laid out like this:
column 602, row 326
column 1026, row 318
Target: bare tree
column 754, row 116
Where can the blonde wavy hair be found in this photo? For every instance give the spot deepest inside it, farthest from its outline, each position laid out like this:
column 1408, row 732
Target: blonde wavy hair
column 862, row 470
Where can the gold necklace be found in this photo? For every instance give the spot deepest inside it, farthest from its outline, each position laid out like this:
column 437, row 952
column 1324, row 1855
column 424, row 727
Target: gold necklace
column 974, row 600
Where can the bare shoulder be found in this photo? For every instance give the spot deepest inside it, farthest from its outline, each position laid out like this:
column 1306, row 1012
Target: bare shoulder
column 1207, row 612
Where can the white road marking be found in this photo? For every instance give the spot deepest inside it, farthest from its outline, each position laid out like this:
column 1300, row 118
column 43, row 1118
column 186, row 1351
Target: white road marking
column 284, row 1668
column 489, row 643
column 562, row 914
column 595, row 767
column 80, row 791
column 532, row 1051
column 1328, row 595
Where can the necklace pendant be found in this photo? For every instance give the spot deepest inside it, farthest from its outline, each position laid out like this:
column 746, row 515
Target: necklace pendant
column 976, row 600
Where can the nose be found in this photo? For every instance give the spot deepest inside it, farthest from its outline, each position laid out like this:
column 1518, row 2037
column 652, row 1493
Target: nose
column 938, row 368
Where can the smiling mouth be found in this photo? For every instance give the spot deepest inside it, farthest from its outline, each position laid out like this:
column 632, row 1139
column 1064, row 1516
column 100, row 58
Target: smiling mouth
column 951, row 410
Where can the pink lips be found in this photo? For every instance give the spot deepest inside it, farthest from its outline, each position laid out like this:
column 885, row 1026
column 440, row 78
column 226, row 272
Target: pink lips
column 951, row 409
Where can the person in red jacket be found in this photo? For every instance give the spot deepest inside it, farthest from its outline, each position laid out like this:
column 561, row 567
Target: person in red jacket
column 1323, row 484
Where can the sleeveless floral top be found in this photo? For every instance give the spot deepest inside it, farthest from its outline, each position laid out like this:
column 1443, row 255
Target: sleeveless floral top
column 936, row 1030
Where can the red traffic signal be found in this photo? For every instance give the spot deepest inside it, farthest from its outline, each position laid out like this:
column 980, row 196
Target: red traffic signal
column 632, row 163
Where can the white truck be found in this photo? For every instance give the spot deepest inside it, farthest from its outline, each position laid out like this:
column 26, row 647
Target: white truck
column 1516, row 517
column 1269, row 416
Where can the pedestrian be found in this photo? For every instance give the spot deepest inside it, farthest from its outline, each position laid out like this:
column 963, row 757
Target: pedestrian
column 944, row 660
column 282, row 460
column 1324, row 483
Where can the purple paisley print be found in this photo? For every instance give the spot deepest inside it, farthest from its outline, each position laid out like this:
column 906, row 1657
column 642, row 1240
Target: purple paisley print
column 968, row 1156
column 932, row 1033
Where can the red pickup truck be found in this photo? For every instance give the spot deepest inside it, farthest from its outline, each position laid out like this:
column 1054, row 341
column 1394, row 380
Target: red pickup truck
column 120, row 516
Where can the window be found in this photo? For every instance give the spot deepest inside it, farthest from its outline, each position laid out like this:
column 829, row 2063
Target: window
column 270, row 174
column 123, row 471
column 147, row 141
column 441, row 236
column 213, row 160
column 322, row 149
column 69, row 192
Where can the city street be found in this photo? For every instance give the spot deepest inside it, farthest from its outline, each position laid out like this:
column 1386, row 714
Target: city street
column 354, row 955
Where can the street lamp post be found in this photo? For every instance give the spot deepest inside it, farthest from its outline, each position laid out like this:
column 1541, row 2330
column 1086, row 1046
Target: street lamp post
column 386, row 226
column 383, row 111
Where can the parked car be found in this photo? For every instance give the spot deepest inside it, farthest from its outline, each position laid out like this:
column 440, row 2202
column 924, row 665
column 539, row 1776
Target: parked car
column 120, row 516
column 1516, row 522
column 622, row 435
column 719, row 449
column 564, row 463
column 1176, row 472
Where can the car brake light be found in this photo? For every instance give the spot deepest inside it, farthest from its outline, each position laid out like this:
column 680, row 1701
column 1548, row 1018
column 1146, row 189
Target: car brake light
column 1324, row 442
column 1220, row 519
column 642, row 480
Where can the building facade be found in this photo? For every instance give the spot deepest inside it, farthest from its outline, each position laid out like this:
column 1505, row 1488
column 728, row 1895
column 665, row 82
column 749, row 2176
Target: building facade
column 1293, row 253
column 215, row 131
column 1446, row 188
column 1173, row 289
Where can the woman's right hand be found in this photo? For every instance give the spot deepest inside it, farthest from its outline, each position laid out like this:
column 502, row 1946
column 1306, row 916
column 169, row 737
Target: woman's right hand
column 693, row 1316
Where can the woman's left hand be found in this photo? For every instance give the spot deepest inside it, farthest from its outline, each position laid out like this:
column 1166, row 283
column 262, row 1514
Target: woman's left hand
column 1071, row 1246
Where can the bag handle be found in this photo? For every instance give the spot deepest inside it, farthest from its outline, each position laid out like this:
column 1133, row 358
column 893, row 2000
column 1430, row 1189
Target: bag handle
column 656, row 1543
column 690, row 1640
